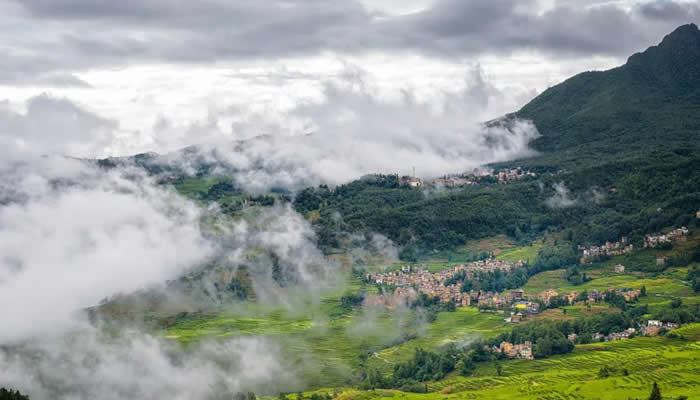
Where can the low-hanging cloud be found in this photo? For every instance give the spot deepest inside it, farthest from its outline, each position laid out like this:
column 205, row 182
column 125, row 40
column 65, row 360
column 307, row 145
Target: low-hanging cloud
column 72, row 234
column 88, row 364
column 353, row 132
column 561, row 198
column 64, row 246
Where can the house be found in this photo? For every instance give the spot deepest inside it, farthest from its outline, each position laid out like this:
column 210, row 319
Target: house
column 670, row 325
column 546, row 295
column 447, row 182
column 597, row 337
column 697, row 214
column 415, row 182
column 516, row 351
column 653, row 322
column 572, row 337
column 619, row 268
column 514, row 318
column 661, row 260
column 650, row 330
column 517, row 294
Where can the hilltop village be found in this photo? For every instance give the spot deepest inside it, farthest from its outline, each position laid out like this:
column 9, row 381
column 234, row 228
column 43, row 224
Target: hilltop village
column 473, row 177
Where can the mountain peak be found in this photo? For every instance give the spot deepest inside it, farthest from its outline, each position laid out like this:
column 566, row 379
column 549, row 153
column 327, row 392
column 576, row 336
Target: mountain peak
column 676, row 59
column 685, row 37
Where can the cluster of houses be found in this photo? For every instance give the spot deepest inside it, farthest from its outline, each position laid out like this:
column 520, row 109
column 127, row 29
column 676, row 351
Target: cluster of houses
column 433, row 283
column 654, row 327
column 626, row 334
column 678, row 234
column 469, row 178
column 607, row 249
column 515, row 174
column 515, row 350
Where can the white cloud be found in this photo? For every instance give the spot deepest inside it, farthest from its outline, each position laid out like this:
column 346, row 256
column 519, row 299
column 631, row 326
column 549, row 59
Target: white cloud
column 67, row 241
column 90, row 364
column 353, row 132
column 561, row 197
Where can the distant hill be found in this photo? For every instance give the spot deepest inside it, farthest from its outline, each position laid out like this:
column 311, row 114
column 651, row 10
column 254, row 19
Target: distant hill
column 652, row 101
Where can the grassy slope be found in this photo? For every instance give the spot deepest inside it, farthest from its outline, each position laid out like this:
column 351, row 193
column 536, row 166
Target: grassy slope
column 674, row 364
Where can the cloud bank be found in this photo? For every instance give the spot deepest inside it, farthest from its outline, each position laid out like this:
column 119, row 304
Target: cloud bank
column 65, row 246
column 72, row 234
column 353, row 132
column 90, row 364
column 215, row 30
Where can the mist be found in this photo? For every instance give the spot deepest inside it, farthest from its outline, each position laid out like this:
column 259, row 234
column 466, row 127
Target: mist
column 354, row 131
column 88, row 363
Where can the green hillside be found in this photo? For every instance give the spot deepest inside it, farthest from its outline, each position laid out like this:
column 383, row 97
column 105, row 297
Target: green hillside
column 650, row 103
column 625, row 143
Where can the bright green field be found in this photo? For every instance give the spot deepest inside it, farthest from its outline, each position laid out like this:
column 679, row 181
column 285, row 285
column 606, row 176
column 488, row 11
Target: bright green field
column 528, row 253
column 464, row 325
column 556, row 280
column 673, row 364
column 330, row 340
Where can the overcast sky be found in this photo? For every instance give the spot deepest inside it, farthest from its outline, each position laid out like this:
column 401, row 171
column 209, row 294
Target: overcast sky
column 105, row 77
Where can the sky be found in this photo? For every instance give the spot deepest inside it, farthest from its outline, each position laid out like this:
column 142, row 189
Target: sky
column 105, row 78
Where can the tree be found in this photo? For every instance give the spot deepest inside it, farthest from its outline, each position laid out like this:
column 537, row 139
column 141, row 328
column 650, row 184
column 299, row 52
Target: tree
column 6, row 394
column 643, row 291
column 655, row 392
column 499, row 368
column 676, row 303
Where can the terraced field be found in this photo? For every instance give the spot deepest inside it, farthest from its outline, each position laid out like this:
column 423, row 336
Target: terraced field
column 556, row 280
column 673, row 364
column 461, row 326
column 528, row 253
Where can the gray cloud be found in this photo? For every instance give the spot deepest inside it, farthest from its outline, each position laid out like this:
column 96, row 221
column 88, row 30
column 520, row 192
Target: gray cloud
column 53, row 125
column 127, row 32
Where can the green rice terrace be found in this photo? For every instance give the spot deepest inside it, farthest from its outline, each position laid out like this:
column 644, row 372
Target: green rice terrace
column 335, row 343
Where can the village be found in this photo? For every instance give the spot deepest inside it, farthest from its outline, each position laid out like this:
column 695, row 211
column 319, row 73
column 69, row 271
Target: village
column 623, row 247
column 678, row 234
column 524, row 350
column 473, row 177
column 433, row 283
column 608, row 249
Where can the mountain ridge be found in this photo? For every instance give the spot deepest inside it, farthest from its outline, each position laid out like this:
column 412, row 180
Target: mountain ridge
column 656, row 90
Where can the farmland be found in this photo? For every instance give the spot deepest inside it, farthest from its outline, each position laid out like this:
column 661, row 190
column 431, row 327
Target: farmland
column 673, row 363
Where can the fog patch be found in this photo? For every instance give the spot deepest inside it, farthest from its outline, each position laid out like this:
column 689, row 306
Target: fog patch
column 65, row 243
column 353, row 132
column 561, row 198
column 90, row 364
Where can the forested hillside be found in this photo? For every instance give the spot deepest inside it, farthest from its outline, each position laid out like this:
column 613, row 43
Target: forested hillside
column 621, row 147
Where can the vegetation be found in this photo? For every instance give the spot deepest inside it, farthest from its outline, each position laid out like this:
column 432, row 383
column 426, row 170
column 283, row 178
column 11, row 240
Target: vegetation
column 6, row 394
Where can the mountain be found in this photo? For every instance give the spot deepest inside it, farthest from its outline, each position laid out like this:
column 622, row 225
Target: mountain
column 652, row 101
column 619, row 154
